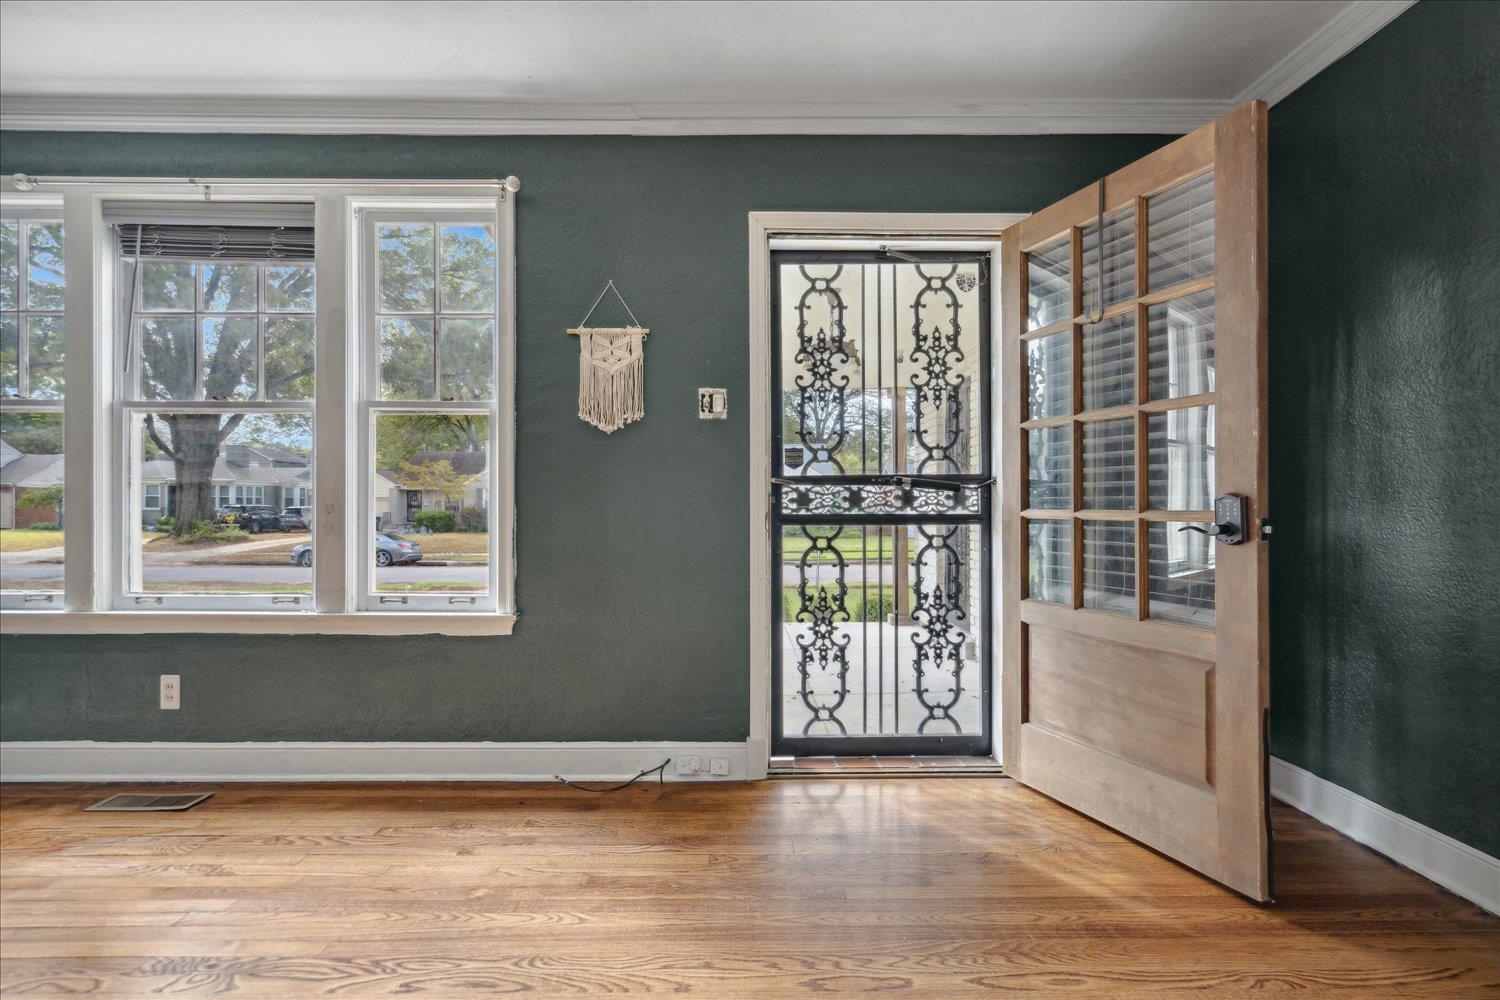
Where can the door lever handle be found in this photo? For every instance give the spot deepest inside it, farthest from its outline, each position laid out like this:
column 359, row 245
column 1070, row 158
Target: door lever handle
column 1214, row 529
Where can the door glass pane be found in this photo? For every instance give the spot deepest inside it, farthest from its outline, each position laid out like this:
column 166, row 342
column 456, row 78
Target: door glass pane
column 466, row 359
column 10, row 265
column 289, row 357
column 1181, row 574
column 430, row 500
column 166, row 287
column 1049, row 288
column 10, row 356
column 229, row 357
column 406, row 268
column 1049, row 483
column 406, row 359
column 1050, row 561
column 1181, row 444
column 880, row 630
column 32, row 540
column 44, row 356
column 1181, row 220
column 1109, row 464
column 1109, row 363
column 229, row 287
column 1049, row 376
column 1109, row 566
column 45, row 283
column 1181, row 344
column 467, row 262
column 1119, row 259
column 168, row 357
column 290, row 288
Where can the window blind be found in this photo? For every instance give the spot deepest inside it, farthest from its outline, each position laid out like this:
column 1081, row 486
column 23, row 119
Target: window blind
column 206, row 242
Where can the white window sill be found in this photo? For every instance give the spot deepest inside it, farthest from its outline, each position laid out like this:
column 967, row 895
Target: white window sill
column 256, row 622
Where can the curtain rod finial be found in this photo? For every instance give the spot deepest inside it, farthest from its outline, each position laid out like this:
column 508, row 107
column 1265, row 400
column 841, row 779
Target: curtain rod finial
column 512, row 183
column 24, row 182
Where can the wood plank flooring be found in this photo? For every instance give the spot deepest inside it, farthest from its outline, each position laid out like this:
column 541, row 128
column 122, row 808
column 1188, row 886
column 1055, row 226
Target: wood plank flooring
column 933, row 887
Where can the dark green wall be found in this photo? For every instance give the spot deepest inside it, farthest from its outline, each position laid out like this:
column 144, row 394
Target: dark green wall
column 633, row 548
column 1385, row 421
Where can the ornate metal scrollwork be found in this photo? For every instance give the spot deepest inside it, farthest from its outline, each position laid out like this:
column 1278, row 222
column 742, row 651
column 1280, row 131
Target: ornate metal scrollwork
column 815, row 498
column 821, row 607
column 939, row 637
column 822, row 388
column 938, row 382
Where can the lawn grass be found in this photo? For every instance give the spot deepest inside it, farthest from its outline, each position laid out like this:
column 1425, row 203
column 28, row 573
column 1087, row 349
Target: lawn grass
column 457, row 546
column 26, row 540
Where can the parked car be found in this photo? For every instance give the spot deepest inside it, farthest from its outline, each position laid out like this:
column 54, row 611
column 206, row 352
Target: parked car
column 390, row 550
column 253, row 518
column 294, row 519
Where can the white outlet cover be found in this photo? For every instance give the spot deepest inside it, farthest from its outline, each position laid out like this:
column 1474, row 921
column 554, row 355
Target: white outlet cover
column 171, row 691
column 718, row 766
column 689, row 765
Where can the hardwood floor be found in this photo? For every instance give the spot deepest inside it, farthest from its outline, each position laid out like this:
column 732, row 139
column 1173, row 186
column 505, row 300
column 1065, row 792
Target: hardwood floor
column 937, row 887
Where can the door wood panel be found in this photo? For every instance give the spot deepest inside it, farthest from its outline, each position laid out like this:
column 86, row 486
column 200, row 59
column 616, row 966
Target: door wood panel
column 1135, row 680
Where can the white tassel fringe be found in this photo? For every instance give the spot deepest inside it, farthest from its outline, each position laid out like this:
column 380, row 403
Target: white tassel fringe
column 611, row 380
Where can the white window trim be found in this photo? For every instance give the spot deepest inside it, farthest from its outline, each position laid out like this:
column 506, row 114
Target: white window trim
column 94, row 557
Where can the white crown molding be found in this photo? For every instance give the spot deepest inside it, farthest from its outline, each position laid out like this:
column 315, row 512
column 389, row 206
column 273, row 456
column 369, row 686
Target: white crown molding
column 1453, row 865
column 1323, row 48
column 85, row 760
column 463, row 117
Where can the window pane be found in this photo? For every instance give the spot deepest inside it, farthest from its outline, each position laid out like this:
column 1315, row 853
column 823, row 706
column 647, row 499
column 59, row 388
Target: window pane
column 207, row 546
column 229, row 357
column 10, row 265
column 1050, row 559
column 44, row 265
column 31, row 508
column 166, row 287
column 467, row 262
column 406, row 359
column 1181, row 574
column 1049, row 469
column 1109, row 566
column 168, row 358
column 289, row 288
column 1109, row 363
column 1181, row 221
column 44, row 356
column 1119, row 259
column 1049, row 271
column 465, row 359
column 289, row 357
column 1181, row 346
column 1181, row 475
column 10, row 356
column 406, row 268
column 430, row 497
column 1109, row 464
column 229, row 287
column 1049, row 375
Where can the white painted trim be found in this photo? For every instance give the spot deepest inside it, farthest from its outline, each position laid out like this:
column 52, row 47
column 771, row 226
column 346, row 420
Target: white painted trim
column 84, row 760
column 1455, row 866
column 479, row 117
column 254, row 622
column 845, row 230
column 1326, row 46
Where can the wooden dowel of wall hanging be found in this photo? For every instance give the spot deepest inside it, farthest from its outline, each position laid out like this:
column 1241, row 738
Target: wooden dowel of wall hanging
column 609, row 331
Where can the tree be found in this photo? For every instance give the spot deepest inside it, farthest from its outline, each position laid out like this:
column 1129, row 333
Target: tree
column 47, row 496
column 436, row 477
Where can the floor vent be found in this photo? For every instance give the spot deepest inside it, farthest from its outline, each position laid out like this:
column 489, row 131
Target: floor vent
column 138, row 802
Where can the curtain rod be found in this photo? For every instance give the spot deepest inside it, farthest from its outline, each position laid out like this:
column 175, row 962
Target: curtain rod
column 28, row 182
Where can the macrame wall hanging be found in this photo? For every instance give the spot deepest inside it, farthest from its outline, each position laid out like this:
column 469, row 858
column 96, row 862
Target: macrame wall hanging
column 611, row 369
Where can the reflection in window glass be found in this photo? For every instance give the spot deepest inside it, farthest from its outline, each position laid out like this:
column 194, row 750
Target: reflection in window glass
column 289, row 350
column 45, row 286
column 467, row 262
column 169, row 347
column 32, row 327
column 406, row 275
column 289, row 288
column 229, row 369
column 406, row 358
column 10, row 266
column 32, row 517
column 465, row 359
column 229, row 287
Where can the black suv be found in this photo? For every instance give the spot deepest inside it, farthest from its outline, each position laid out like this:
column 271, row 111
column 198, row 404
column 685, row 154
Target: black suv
column 253, row 518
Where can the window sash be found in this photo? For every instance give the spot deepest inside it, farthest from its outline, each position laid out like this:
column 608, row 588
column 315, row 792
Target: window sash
column 22, row 315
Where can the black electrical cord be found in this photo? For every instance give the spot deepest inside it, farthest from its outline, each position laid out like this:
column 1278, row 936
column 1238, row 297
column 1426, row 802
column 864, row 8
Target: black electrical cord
column 660, row 770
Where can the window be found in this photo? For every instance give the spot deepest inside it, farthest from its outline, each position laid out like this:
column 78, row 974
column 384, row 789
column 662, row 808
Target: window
column 198, row 333
column 32, row 326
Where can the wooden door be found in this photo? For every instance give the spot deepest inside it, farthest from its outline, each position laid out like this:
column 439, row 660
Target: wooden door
column 1135, row 648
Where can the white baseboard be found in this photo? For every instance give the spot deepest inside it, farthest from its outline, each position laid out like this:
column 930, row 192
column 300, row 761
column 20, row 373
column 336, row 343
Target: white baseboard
column 84, row 760
column 1455, row 866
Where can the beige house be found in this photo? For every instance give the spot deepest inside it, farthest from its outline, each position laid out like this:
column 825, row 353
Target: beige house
column 397, row 502
column 21, row 473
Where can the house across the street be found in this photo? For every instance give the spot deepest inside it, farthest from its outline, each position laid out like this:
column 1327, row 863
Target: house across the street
column 21, row 474
column 243, row 474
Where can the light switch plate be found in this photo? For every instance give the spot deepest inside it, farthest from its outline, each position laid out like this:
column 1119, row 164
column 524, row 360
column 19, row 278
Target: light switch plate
column 713, row 404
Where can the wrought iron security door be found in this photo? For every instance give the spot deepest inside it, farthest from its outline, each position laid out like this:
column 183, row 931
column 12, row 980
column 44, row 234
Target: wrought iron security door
column 880, row 508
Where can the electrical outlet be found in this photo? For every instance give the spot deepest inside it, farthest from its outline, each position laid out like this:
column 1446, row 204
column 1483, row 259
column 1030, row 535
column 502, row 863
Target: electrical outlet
column 718, row 767
column 171, row 691
column 689, row 765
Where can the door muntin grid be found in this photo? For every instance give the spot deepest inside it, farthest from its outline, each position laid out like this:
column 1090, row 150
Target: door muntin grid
column 880, row 458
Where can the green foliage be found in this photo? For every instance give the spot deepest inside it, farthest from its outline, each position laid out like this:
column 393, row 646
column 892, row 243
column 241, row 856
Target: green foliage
column 165, row 521
column 435, row 520
column 873, row 606
column 398, row 437
column 32, row 433
column 208, row 531
column 473, row 519
column 44, row 526
column 47, row 496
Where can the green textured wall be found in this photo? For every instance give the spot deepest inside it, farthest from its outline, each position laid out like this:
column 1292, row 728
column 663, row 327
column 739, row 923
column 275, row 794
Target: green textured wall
column 1385, row 421
column 633, row 548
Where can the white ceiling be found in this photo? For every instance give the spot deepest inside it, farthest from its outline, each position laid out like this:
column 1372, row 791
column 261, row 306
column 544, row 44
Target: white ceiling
column 1146, row 65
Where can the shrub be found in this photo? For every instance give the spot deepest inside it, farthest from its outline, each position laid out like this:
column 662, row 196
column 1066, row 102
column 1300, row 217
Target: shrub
column 165, row 522
column 438, row 521
column 208, row 531
column 43, row 526
column 473, row 519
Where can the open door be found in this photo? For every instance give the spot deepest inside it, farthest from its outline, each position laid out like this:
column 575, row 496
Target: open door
column 1134, row 488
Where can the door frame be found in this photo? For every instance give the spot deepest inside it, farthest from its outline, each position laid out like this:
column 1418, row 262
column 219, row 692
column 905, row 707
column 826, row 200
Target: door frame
column 844, row 231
